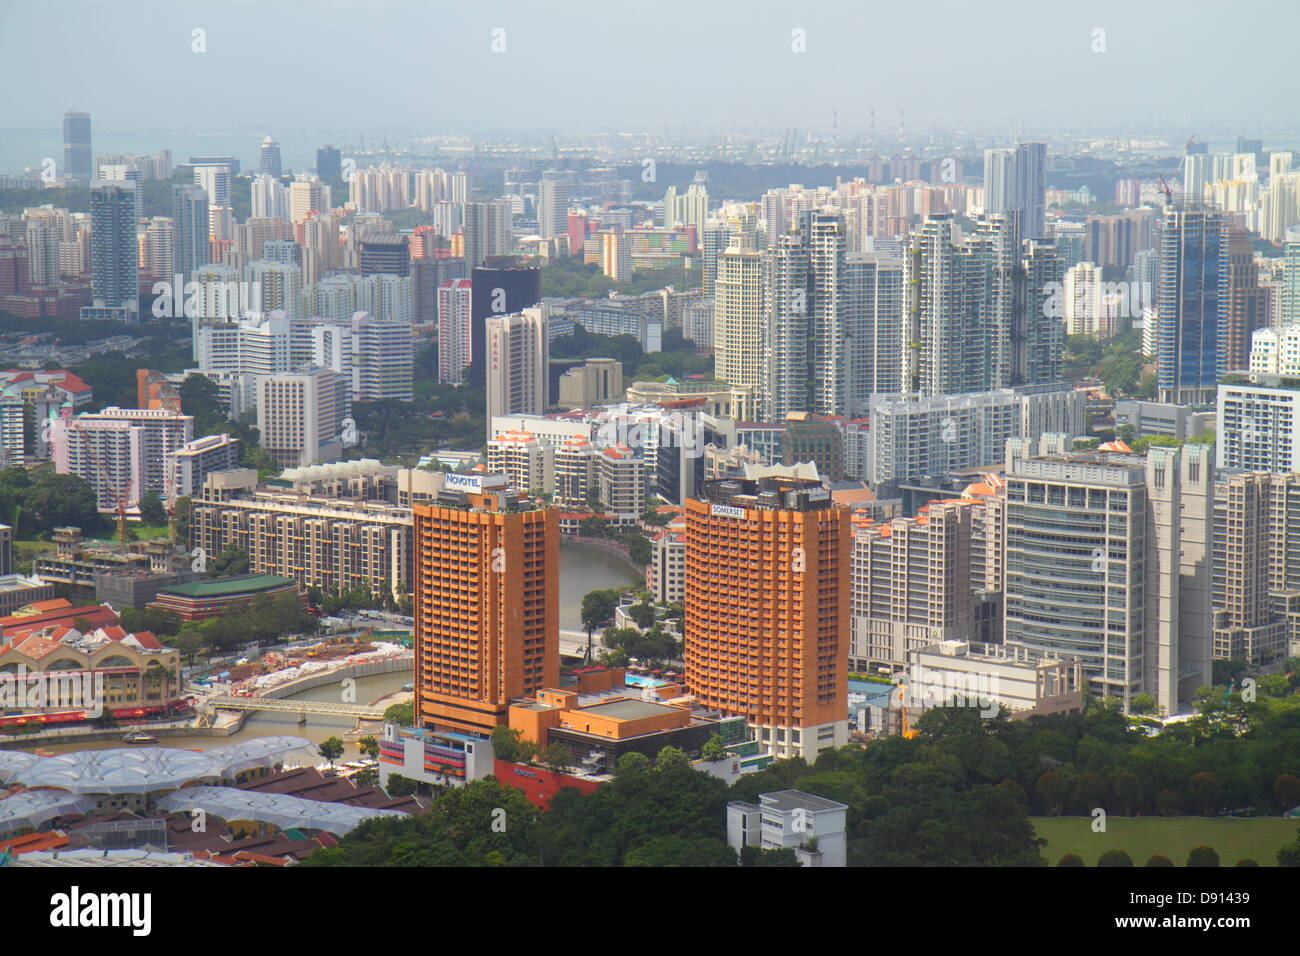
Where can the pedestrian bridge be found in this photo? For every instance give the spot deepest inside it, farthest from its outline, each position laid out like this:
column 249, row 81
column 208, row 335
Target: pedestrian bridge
column 297, row 706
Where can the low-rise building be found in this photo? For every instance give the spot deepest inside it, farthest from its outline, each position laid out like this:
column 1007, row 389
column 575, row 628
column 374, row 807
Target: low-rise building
column 198, row 600
column 813, row 827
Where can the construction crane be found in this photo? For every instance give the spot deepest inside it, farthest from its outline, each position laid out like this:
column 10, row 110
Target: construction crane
column 1169, row 193
column 907, row 732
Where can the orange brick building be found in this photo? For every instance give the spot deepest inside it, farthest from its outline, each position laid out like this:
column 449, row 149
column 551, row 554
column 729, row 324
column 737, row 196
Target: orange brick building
column 767, row 610
column 486, row 604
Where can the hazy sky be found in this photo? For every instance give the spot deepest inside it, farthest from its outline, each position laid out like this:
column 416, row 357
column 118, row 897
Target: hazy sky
column 284, row 66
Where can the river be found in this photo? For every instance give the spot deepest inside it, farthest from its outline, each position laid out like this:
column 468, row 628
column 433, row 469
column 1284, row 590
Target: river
column 581, row 570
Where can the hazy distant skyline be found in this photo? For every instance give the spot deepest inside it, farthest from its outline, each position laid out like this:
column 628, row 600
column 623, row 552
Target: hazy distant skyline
column 668, row 65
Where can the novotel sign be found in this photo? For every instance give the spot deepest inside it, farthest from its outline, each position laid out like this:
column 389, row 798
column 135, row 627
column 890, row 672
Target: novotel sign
column 475, row 483
column 727, row 511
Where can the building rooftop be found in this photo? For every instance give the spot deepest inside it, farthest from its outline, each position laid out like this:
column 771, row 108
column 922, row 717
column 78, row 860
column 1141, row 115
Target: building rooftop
column 226, row 586
column 627, row 709
column 786, row 800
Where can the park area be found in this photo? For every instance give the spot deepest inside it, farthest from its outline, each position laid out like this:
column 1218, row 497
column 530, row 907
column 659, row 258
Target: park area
column 1233, row 838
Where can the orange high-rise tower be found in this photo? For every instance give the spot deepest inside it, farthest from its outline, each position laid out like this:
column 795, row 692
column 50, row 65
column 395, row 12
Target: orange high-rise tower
column 767, row 610
column 486, row 604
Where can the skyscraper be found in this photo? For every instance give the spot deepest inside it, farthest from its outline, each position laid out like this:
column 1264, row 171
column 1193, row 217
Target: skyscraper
column 999, row 181
column 1031, row 189
column 268, row 160
column 767, row 610
column 552, row 208
column 77, row 162
column 453, row 330
column 114, row 254
column 1245, row 308
column 487, row 231
column 496, row 290
column 329, row 163
column 190, row 244
column 739, row 326
column 1191, row 301
column 516, row 358
column 486, row 604
column 786, row 383
column 1108, row 561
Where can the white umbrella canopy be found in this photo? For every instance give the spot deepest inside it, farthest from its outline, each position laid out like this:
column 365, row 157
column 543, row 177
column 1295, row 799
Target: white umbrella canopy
column 31, row 809
column 280, row 810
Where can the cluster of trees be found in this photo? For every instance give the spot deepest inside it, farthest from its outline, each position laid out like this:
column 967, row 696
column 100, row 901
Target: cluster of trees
column 360, row 599
column 960, row 793
column 574, row 279
column 265, row 618
column 1118, row 363
column 1202, row 855
column 652, row 646
column 201, row 398
column 37, row 501
column 679, row 357
column 666, row 815
column 441, row 416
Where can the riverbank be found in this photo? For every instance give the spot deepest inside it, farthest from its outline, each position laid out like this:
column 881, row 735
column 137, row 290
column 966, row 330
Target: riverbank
column 230, row 723
column 605, row 546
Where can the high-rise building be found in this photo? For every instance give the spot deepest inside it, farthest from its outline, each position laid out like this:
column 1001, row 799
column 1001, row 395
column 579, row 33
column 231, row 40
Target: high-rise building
column 1257, row 425
column 77, row 162
column 786, row 305
column 307, row 195
column 270, row 198
column 739, row 320
column 1247, row 623
column 376, row 357
column 1031, row 189
column 516, row 355
column 911, row 583
column 268, row 159
column 300, row 416
column 1191, row 301
column 329, row 163
column 384, row 252
column 214, row 180
column 487, row 231
column 499, row 289
column 125, row 172
column 999, row 181
column 453, row 330
column 486, row 604
column 767, row 610
column 1108, row 562
column 121, row 452
column 1245, row 306
column 114, row 253
column 552, row 208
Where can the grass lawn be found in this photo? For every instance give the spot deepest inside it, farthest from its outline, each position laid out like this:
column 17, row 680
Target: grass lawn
column 1258, row 838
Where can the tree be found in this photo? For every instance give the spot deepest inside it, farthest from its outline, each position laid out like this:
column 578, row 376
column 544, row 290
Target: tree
column 557, row 757
column 505, row 744
column 1206, row 787
column 1115, row 858
column 1166, row 803
column 399, row 786
column 369, row 746
column 1289, row 854
column 1247, row 861
column 401, row 714
column 1128, row 791
column 1202, row 856
column 713, row 749
column 1090, row 791
column 631, row 763
column 230, row 563
column 151, row 509
column 331, row 749
column 1143, row 704
column 1051, row 789
column 1071, row 859
column 1287, row 790
column 672, row 759
column 1157, row 859
column 753, row 856
column 642, row 614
